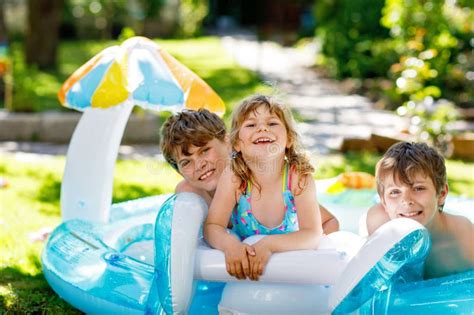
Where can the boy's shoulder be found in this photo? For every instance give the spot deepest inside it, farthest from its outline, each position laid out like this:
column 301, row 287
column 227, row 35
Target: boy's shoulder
column 462, row 229
column 458, row 222
column 376, row 216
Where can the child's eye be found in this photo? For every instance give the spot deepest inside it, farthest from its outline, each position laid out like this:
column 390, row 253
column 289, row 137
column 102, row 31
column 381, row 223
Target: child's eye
column 183, row 163
column 419, row 188
column 249, row 125
column 393, row 192
column 273, row 123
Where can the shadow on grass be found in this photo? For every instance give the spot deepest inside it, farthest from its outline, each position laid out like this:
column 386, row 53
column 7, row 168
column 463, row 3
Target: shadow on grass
column 50, row 190
column 26, row 294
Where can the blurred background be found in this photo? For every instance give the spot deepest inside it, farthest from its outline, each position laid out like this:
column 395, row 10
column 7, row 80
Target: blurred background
column 410, row 56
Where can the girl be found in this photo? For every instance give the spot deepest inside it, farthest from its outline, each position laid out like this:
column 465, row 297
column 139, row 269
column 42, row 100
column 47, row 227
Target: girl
column 268, row 189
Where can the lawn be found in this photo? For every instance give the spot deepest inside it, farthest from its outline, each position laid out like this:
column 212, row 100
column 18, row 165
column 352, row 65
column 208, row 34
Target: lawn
column 36, row 90
column 30, row 203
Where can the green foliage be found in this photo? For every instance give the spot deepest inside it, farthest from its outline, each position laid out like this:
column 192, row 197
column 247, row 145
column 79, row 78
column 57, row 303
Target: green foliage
column 126, row 33
column 191, row 16
column 353, row 37
column 433, row 64
column 435, row 54
column 431, row 122
column 425, row 51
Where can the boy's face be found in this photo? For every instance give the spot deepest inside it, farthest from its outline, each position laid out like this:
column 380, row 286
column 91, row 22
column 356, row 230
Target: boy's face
column 418, row 201
column 203, row 167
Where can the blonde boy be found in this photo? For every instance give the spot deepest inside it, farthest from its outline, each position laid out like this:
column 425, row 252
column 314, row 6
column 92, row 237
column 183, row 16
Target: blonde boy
column 412, row 183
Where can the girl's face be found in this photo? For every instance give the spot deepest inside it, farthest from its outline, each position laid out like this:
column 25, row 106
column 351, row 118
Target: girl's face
column 262, row 135
column 419, row 201
column 203, row 167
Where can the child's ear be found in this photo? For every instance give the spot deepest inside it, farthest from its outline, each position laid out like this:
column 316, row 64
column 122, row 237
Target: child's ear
column 443, row 194
column 237, row 147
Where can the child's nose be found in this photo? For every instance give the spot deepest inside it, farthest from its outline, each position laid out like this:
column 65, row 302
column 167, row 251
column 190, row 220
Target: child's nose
column 262, row 127
column 408, row 199
column 201, row 163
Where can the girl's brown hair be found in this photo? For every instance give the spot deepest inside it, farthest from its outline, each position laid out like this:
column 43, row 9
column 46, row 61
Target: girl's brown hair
column 295, row 155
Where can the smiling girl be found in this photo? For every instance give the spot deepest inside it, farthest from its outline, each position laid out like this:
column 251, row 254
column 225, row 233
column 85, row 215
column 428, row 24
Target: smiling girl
column 268, row 189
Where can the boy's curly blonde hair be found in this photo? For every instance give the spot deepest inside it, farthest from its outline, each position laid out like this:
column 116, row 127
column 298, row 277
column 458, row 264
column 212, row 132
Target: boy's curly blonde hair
column 189, row 127
column 294, row 154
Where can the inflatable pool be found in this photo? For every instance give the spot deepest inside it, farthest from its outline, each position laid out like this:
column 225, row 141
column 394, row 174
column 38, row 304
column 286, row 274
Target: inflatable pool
column 133, row 264
column 148, row 256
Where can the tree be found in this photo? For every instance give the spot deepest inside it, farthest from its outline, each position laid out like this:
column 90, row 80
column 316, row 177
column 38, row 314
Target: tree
column 42, row 37
column 3, row 29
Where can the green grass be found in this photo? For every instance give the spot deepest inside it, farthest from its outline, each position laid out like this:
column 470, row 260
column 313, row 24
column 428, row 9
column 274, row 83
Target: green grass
column 35, row 91
column 31, row 202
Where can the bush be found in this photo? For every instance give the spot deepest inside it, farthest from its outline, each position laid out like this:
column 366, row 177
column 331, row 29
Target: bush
column 352, row 37
column 434, row 51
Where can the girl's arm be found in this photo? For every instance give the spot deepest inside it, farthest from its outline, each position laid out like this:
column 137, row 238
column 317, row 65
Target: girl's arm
column 329, row 221
column 215, row 231
column 307, row 237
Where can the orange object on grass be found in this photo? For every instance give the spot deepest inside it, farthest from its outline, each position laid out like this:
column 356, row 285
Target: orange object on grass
column 357, row 180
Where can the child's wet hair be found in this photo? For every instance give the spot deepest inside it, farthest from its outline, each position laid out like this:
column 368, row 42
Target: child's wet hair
column 404, row 160
column 189, row 127
column 294, row 153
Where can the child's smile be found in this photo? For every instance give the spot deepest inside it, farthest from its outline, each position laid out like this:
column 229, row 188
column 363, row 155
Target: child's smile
column 263, row 140
column 262, row 135
column 204, row 165
column 411, row 214
column 418, row 201
column 207, row 174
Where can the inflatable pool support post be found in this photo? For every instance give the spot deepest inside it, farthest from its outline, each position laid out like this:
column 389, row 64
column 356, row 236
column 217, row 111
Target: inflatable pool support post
column 173, row 281
column 86, row 189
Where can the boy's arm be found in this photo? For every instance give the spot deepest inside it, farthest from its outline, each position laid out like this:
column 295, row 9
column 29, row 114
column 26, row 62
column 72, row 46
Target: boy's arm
column 329, row 221
column 376, row 216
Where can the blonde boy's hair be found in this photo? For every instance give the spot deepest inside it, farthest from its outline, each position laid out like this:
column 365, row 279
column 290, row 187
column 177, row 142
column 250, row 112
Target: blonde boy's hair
column 404, row 160
column 187, row 128
column 296, row 157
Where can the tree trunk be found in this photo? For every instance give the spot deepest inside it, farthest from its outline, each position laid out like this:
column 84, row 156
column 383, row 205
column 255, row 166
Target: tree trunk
column 3, row 29
column 42, row 38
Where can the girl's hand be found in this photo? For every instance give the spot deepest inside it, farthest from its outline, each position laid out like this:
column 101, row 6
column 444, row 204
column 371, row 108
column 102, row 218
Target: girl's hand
column 236, row 260
column 259, row 260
